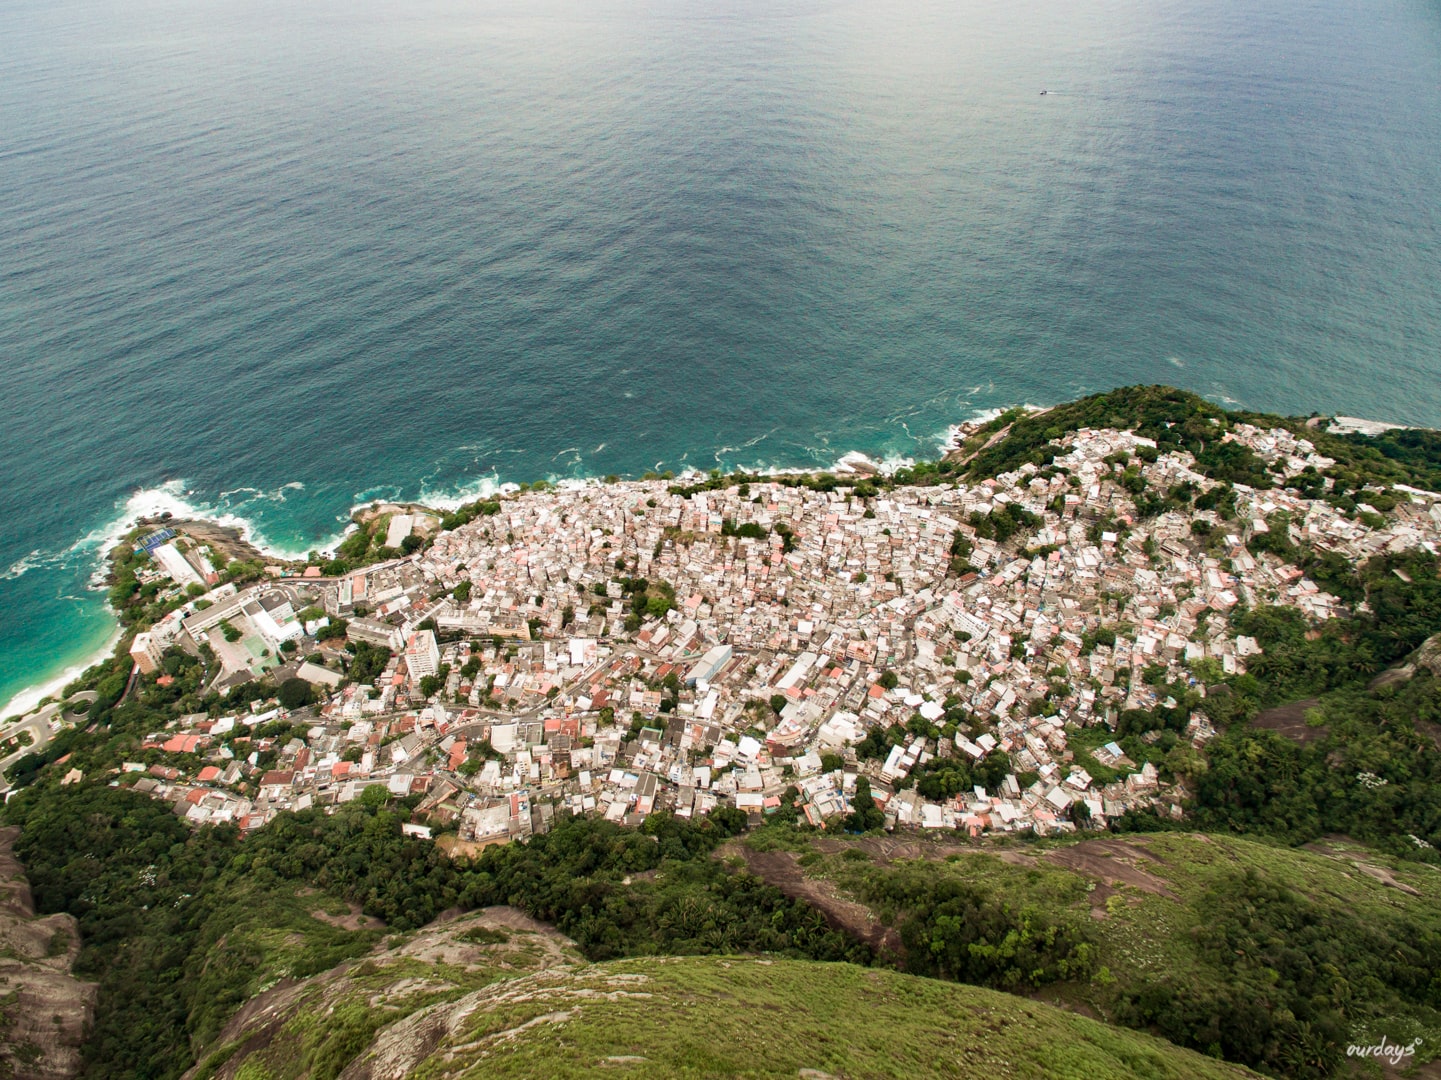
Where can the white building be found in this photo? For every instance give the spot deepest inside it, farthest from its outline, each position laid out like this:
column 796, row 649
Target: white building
column 399, row 528
column 422, row 654
column 273, row 617
column 146, row 653
column 176, row 565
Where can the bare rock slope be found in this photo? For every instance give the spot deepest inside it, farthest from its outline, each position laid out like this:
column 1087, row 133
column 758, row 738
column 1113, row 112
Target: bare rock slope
column 44, row 1010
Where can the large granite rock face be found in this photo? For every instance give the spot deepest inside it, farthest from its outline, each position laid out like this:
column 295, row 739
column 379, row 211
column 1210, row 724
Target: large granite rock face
column 1427, row 657
column 44, row 1010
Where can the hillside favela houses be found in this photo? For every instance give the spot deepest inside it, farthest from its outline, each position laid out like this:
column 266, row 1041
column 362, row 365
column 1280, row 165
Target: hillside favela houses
column 967, row 654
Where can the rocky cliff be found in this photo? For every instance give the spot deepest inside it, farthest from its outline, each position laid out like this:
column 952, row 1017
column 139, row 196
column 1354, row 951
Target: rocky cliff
column 44, row 1010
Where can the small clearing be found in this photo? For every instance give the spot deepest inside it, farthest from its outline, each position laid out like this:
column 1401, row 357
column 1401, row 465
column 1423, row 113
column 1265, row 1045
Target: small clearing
column 355, row 919
column 1112, row 863
column 1290, row 721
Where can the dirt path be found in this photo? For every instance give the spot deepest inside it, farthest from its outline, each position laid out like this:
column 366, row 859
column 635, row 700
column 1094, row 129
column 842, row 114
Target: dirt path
column 1111, row 864
column 783, row 870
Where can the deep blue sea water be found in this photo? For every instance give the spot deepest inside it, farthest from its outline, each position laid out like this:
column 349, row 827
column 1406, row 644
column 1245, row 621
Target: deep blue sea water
column 274, row 259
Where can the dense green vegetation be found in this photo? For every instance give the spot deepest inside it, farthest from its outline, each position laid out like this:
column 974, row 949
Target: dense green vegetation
column 954, row 929
column 1375, row 774
column 648, row 600
column 1271, row 957
column 181, row 927
column 1002, row 524
column 1294, row 978
column 1259, row 951
column 173, row 930
column 464, row 515
column 1370, row 765
column 1178, row 420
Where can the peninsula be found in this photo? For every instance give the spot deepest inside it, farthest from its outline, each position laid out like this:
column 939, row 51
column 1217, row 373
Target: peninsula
column 1133, row 614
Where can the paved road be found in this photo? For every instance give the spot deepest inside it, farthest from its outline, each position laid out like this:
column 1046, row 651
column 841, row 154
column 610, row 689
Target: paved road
column 38, row 724
column 41, row 726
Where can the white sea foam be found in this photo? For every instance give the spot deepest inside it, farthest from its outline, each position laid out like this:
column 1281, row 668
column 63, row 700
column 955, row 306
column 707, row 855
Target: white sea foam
column 480, row 488
column 33, row 561
column 169, row 498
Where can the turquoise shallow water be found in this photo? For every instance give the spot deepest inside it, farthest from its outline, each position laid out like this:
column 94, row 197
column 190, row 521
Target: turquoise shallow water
column 271, row 260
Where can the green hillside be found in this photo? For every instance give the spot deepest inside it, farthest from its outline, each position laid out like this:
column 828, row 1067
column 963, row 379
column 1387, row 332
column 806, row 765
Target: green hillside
column 1276, row 957
column 493, row 995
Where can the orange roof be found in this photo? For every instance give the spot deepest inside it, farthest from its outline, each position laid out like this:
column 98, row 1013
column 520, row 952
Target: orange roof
column 457, row 753
column 210, row 772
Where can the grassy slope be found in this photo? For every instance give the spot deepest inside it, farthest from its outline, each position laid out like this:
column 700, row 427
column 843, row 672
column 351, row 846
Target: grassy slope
column 481, row 998
column 1114, row 886
column 747, row 1017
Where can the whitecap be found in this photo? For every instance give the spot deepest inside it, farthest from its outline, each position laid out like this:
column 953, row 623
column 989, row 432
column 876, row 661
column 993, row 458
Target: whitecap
column 482, row 487
column 26, row 563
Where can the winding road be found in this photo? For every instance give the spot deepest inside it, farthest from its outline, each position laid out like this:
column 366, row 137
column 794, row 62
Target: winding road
column 42, row 726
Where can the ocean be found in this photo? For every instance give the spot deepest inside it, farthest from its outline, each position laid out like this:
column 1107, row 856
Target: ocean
column 269, row 260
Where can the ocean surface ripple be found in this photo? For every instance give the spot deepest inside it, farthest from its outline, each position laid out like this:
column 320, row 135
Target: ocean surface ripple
column 268, row 260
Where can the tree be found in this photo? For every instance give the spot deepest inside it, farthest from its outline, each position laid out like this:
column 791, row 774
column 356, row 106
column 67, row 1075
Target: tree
column 865, row 815
column 295, row 694
column 335, row 630
column 374, row 796
column 778, row 702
